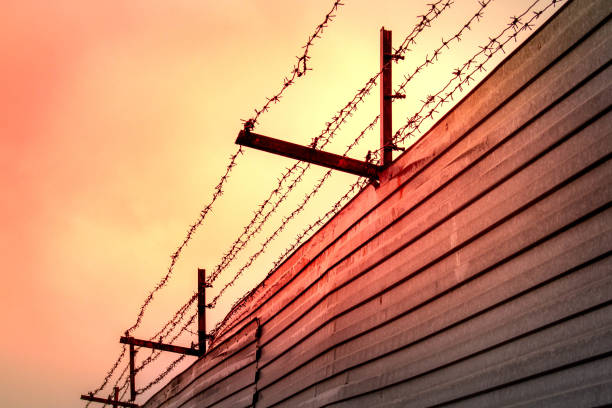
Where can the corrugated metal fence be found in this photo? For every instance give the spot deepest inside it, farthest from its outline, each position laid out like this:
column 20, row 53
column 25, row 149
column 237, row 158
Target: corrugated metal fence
column 477, row 274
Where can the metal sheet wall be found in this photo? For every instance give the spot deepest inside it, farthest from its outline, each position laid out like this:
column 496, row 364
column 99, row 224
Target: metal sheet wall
column 477, row 274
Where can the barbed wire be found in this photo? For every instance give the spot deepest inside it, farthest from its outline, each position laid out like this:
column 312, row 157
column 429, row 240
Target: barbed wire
column 424, row 21
column 162, row 375
column 190, row 232
column 152, row 357
column 218, row 191
column 109, row 374
column 445, row 44
column 475, row 17
column 174, row 257
column 159, row 335
column 176, row 318
column 238, row 304
column 256, row 223
column 293, row 214
column 331, row 127
column 299, row 69
column 156, row 353
column 354, row 187
column 171, row 366
column 493, row 46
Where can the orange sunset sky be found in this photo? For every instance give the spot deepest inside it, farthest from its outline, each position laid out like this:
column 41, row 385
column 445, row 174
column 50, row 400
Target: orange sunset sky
column 117, row 119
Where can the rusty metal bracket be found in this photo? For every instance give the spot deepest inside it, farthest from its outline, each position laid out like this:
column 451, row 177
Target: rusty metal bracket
column 159, row 346
column 308, row 154
column 109, row 401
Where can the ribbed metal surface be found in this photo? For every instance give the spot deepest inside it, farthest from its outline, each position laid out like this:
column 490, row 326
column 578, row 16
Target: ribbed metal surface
column 477, row 274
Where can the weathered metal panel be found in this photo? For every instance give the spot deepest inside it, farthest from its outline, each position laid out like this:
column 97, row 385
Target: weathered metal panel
column 549, row 170
column 476, row 274
column 204, row 375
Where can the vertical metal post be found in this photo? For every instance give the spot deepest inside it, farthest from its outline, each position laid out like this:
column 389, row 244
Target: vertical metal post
column 116, row 397
column 132, row 374
column 202, row 311
column 386, row 100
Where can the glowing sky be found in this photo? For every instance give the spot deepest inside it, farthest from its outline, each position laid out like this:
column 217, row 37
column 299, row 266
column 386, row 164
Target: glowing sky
column 117, row 119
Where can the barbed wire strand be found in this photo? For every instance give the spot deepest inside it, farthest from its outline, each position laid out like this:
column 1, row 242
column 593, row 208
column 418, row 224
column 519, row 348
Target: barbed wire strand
column 161, row 335
column 109, row 374
column 476, row 17
column 155, row 354
column 331, row 127
column 299, row 70
column 287, row 219
column 172, row 365
column 487, row 51
column 445, row 44
column 354, row 188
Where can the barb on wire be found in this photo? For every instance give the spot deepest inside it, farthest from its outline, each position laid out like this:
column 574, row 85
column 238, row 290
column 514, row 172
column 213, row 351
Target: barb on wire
column 445, row 44
column 411, row 122
column 190, row 232
column 331, row 127
column 354, row 188
column 109, row 374
column 176, row 318
column 299, row 69
column 262, row 215
column 424, row 21
column 463, row 74
column 293, row 214
column 162, row 375
column 156, row 353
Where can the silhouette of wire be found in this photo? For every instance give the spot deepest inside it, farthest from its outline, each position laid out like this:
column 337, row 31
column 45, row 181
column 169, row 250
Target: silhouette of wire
column 445, row 44
column 299, row 69
column 463, row 74
column 475, row 17
column 257, row 222
column 354, row 188
column 109, row 374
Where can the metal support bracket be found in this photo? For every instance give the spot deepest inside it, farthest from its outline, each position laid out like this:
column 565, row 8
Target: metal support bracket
column 308, row 154
column 109, row 401
column 159, row 346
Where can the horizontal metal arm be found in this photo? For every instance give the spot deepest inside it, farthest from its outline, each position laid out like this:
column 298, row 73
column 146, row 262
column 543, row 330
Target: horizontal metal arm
column 109, row 401
column 159, row 346
column 308, row 154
